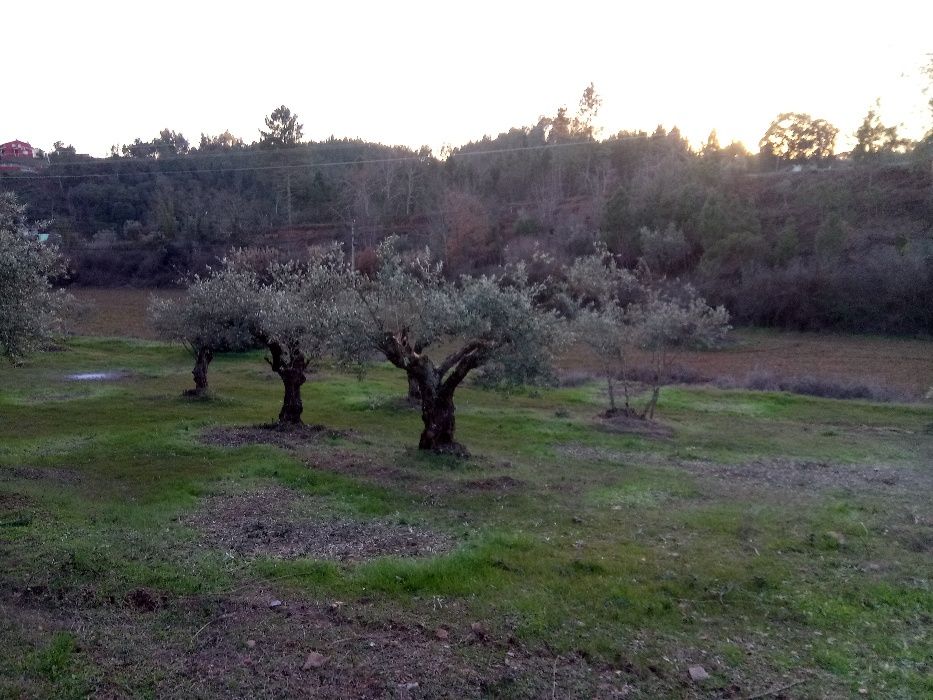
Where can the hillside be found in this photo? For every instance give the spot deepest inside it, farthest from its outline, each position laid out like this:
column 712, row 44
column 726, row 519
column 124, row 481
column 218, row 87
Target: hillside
column 835, row 244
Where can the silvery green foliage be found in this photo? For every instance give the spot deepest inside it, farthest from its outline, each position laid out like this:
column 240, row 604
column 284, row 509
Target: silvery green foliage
column 618, row 313
column 494, row 320
column 502, row 311
column 663, row 324
column 598, row 282
column 216, row 312
column 601, row 290
column 405, row 297
column 664, row 249
column 298, row 306
column 30, row 309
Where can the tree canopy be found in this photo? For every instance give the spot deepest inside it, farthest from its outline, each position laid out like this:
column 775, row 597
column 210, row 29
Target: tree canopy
column 492, row 322
column 874, row 138
column 283, row 129
column 618, row 312
column 30, row 307
column 794, row 136
column 215, row 315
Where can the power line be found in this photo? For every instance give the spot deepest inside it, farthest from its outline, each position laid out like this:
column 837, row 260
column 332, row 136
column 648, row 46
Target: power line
column 254, row 149
column 299, row 166
column 291, row 237
column 246, row 150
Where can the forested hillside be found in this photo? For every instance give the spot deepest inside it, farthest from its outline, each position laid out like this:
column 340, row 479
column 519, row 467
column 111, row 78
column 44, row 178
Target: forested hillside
column 793, row 236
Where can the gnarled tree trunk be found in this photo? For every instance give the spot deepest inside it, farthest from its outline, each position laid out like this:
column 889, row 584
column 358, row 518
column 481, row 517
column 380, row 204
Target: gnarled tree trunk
column 436, row 386
column 414, row 391
column 437, row 414
column 292, row 406
column 202, row 359
column 292, row 373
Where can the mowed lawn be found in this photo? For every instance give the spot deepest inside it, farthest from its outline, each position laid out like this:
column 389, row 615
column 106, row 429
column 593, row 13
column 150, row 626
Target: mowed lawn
column 151, row 548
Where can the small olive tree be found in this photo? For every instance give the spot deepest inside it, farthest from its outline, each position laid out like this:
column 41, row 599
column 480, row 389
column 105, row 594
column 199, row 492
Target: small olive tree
column 664, row 324
column 215, row 315
column 253, row 300
column 492, row 322
column 298, row 313
column 30, row 308
column 599, row 290
column 619, row 312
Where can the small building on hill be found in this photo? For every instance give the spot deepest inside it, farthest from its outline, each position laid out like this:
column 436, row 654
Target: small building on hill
column 16, row 149
column 18, row 157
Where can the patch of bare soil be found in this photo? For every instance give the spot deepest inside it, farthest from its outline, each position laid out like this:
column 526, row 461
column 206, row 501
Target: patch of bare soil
column 607, row 454
column 802, row 476
column 620, row 422
column 239, row 646
column 289, row 437
column 365, row 467
column 59, row 475
column 361, row 466
column 776, row 473
column 495, row 483
column 15, row 509
column 276, row 522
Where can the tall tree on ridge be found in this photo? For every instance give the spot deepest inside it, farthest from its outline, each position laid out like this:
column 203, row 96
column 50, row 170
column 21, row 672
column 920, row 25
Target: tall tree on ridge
column 283, row 129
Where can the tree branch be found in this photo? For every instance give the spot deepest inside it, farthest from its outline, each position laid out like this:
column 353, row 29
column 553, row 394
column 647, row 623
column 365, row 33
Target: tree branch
column 455, row 357
column 475, row 357
column 394, row 350
column 276, row 362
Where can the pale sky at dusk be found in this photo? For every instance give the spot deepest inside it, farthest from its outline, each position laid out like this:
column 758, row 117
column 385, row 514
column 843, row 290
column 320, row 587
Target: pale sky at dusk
column 96, row 73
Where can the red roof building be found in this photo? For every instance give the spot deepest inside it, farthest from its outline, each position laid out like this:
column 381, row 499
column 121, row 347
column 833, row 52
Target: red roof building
column 16, row 149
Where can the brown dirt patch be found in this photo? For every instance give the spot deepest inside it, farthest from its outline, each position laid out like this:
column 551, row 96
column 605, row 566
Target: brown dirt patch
column 117, row 311
column 276, row 522
column 632, row 425
column 388, row 476
column 901, row 363
column 146, row 599
column 361, row 466
column 289, row 437
column 13, row 507
column 60, row 475
column 803, row 476
column 792, row 473
column 237, row 646
column 495, row 483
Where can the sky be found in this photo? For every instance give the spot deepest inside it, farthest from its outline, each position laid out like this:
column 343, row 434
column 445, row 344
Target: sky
column 95, row 73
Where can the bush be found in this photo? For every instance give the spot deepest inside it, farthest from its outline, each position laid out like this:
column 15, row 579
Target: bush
column 823, row 387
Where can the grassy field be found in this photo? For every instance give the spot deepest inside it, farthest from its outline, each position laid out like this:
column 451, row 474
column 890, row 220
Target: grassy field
column 157, row 546
column 903, row 365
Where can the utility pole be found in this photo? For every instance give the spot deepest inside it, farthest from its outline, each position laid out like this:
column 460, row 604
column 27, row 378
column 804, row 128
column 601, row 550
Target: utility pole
column 352, row 244
column 288, row 195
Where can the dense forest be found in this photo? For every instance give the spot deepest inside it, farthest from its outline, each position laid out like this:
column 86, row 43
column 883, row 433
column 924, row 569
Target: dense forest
column 794, row 235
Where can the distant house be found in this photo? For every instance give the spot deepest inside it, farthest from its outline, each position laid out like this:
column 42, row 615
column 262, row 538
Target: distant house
column 17, row 156
column 16, row 149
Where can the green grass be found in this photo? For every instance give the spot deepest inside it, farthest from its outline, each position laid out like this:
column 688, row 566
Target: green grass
column 625, row 549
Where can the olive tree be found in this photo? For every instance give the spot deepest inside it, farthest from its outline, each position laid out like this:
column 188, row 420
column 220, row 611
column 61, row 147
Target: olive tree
column 297, row 314
column 252, row 300
column 600, row 290
column 30, row 308
column 619, row 313
column 215, row 315
column 406, row 308
column 662, row 324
